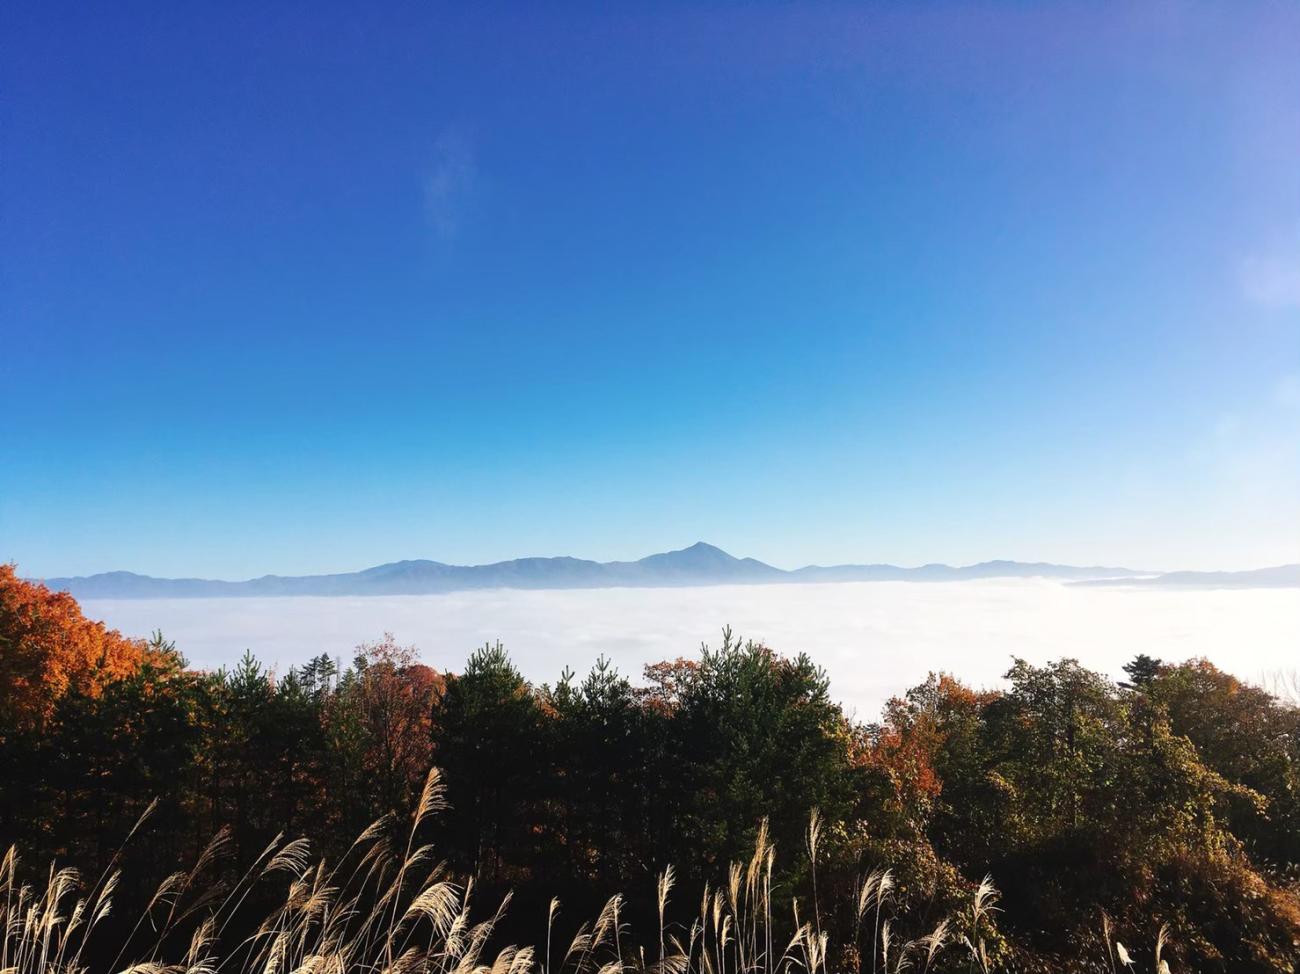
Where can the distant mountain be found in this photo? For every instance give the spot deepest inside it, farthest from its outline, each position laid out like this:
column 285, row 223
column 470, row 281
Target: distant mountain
column 1281, row 576
column 700, row 564
column 949, row 573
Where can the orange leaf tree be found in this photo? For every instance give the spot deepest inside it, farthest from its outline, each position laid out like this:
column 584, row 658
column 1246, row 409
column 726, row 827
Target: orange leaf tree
column 47, row 648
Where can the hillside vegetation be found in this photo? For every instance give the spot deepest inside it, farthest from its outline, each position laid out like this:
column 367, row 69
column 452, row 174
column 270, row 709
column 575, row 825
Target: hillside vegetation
column 721, row 814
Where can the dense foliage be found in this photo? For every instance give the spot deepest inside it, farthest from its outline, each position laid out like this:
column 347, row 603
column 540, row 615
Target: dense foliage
column 1170, row 798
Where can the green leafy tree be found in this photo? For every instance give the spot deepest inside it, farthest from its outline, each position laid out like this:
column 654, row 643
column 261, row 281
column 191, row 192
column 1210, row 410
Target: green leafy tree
column 606, row 782
column 755, row 736
column 488, row 739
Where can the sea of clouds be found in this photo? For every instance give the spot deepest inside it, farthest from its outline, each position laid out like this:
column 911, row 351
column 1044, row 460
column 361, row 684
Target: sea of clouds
column 875, row 639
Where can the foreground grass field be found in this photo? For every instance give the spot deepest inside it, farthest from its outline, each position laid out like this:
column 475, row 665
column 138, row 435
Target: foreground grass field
column 381, row 909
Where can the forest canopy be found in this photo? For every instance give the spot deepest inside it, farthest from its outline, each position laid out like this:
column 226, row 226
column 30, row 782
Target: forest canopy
column 1100, row 809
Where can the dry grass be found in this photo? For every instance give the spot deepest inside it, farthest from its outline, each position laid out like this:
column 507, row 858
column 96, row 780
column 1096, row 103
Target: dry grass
column 380, row 912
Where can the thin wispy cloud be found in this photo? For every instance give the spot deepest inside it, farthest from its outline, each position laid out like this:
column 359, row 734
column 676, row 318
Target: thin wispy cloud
column 1272, row 280
column 450, row 185
column 1287, row 392
column 875, row 639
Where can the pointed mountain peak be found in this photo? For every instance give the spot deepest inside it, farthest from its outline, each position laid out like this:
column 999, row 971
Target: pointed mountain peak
column 704, row 562
column 699, row 553
column 703, row 547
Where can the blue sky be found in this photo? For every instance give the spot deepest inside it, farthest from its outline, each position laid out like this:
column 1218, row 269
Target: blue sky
column 305, row 287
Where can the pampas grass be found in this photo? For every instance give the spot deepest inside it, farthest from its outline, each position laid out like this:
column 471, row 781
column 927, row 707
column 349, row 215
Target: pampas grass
column 377, row 912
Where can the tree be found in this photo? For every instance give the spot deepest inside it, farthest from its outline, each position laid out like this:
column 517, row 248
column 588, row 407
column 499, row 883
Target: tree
column 107, row 757
column 386, row 703
column 927, row 748
column 487, row 734
column 1248, row 736
column 755, row 736
column 47, row 648
column 605, row 783
column 1142, row 670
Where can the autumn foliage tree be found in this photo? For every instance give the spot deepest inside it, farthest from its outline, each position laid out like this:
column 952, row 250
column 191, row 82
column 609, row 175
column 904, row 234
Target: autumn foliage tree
column 387, row 700
column 48, row 648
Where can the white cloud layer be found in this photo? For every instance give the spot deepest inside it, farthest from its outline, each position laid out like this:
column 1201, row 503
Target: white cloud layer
column 874, row 638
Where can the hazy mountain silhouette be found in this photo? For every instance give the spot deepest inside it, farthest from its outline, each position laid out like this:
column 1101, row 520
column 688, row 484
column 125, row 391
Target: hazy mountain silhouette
column 1280, row 576
column 950, row 573
column 700, row 564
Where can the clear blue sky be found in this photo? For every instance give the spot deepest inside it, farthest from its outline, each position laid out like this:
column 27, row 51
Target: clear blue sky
column 299, row 287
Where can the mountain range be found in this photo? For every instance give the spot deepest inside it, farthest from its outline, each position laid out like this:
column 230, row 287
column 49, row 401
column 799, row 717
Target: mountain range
column 700, row 564
column 1280, row 576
